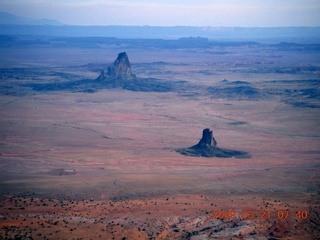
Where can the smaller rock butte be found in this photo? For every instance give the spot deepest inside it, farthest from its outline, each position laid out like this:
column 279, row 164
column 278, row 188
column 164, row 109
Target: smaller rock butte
column 207, row 139
column 207, row 147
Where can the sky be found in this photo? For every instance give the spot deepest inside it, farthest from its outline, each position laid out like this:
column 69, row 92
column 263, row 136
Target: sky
column 216, row 13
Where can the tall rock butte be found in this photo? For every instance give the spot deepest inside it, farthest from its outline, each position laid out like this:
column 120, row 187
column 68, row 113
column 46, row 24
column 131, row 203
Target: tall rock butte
column 120, row 73
column 207, row 139
column 207, row 147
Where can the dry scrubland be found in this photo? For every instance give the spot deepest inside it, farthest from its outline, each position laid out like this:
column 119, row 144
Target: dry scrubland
column 129, row 181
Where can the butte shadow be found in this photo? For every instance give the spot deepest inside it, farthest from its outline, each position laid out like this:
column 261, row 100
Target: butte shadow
column 207, row 147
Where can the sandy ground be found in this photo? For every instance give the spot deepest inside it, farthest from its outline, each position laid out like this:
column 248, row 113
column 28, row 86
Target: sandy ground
column 175, row 217
column 122, row 144
column 104, row 165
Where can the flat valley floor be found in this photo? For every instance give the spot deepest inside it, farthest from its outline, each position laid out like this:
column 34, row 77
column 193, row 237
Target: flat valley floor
column 104, row 165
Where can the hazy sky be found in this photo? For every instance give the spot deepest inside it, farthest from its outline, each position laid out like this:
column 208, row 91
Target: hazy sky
column 243, row 13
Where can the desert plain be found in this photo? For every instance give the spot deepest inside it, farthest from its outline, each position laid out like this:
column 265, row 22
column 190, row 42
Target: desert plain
column 102, row 163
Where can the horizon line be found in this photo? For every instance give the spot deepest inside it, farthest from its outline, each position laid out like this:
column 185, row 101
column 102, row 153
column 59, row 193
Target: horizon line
column 159, row 26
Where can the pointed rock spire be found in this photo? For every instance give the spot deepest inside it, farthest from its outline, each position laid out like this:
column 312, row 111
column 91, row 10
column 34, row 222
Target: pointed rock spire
column 120, row 73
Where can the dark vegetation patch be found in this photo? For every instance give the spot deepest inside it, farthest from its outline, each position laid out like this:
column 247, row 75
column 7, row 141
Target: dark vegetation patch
column 151, row 85
column 91, row 86
column 291, row 69
column 290, row 46
column 23, row 81
column 238, row 92
column 94, row 67
column 303, row 104
column 207, row 72
column 315, row 82
column 36, row 74
column 297, row 70
column 75, row 86
column 238, row 82
column 303, row 98
column 298, row 93
column 238, row 123
column 313, row 93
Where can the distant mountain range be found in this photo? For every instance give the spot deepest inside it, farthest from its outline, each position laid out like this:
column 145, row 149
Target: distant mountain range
column 13, row 25
column 10, row 19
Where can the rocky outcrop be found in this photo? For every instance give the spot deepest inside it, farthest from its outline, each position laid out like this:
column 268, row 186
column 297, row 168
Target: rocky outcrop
column 207, row 139
column 120, row 74
column 117, row 76
column 122, row 67
column 207, row 147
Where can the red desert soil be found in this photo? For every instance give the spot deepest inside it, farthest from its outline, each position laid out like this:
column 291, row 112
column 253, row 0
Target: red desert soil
column 172, row 217
column 117, row 148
